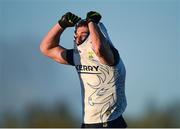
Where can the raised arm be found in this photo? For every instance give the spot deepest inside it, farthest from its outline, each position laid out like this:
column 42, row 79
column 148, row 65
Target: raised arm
column 100, row 43
column 50, row 44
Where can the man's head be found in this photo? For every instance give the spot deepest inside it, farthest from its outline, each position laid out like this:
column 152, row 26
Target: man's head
column 81, row 32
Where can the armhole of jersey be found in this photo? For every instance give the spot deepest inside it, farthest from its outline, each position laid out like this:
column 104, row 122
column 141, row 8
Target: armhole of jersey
column 116, row 55
column 108, row 40
column 69, row 56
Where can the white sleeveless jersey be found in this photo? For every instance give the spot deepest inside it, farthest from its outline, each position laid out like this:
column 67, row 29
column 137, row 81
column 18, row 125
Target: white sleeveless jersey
column 103, row 87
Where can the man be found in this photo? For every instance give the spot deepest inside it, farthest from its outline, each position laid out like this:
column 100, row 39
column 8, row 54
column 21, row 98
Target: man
column 100, row 68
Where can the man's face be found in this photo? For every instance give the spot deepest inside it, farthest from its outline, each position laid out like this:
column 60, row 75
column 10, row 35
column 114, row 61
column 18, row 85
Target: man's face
column 81, row 34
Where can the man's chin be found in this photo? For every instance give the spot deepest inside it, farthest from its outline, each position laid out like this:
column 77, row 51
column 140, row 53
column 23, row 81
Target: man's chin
column 79, row 43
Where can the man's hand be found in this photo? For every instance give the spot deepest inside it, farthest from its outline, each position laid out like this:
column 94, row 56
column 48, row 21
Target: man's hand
column 93, row 16
column 68, row 20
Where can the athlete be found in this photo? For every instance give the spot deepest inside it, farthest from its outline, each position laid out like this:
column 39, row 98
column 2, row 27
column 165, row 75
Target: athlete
column 99, row 66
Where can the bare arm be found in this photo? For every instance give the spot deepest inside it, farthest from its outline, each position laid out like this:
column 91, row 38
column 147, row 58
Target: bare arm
column 50, row 45
column 100, row 45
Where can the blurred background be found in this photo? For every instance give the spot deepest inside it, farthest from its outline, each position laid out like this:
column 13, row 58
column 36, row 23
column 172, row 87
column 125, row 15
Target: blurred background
column 35, row 91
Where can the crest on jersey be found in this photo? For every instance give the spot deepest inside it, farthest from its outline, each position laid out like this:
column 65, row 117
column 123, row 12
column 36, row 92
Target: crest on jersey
column 90, row 55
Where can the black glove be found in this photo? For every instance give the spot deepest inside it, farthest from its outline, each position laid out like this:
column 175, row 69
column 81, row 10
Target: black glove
column 68, row 20
column 93, row 16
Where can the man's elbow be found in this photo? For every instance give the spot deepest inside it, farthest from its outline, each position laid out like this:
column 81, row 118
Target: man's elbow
column 43, row 49
column 108, row 58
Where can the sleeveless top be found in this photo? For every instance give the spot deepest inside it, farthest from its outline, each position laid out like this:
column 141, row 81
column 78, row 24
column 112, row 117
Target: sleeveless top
column 102, row 86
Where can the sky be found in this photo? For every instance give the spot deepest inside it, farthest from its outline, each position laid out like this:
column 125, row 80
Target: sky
column 146, row 33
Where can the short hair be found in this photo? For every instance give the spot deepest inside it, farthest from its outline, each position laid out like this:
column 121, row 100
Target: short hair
column 81, row 23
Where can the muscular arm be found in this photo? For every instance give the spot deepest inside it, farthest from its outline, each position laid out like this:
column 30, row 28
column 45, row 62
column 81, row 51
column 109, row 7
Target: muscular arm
column 100, row 45
column 50, row 45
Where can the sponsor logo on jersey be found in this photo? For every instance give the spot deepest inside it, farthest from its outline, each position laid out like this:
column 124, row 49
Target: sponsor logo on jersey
column 87, row 68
